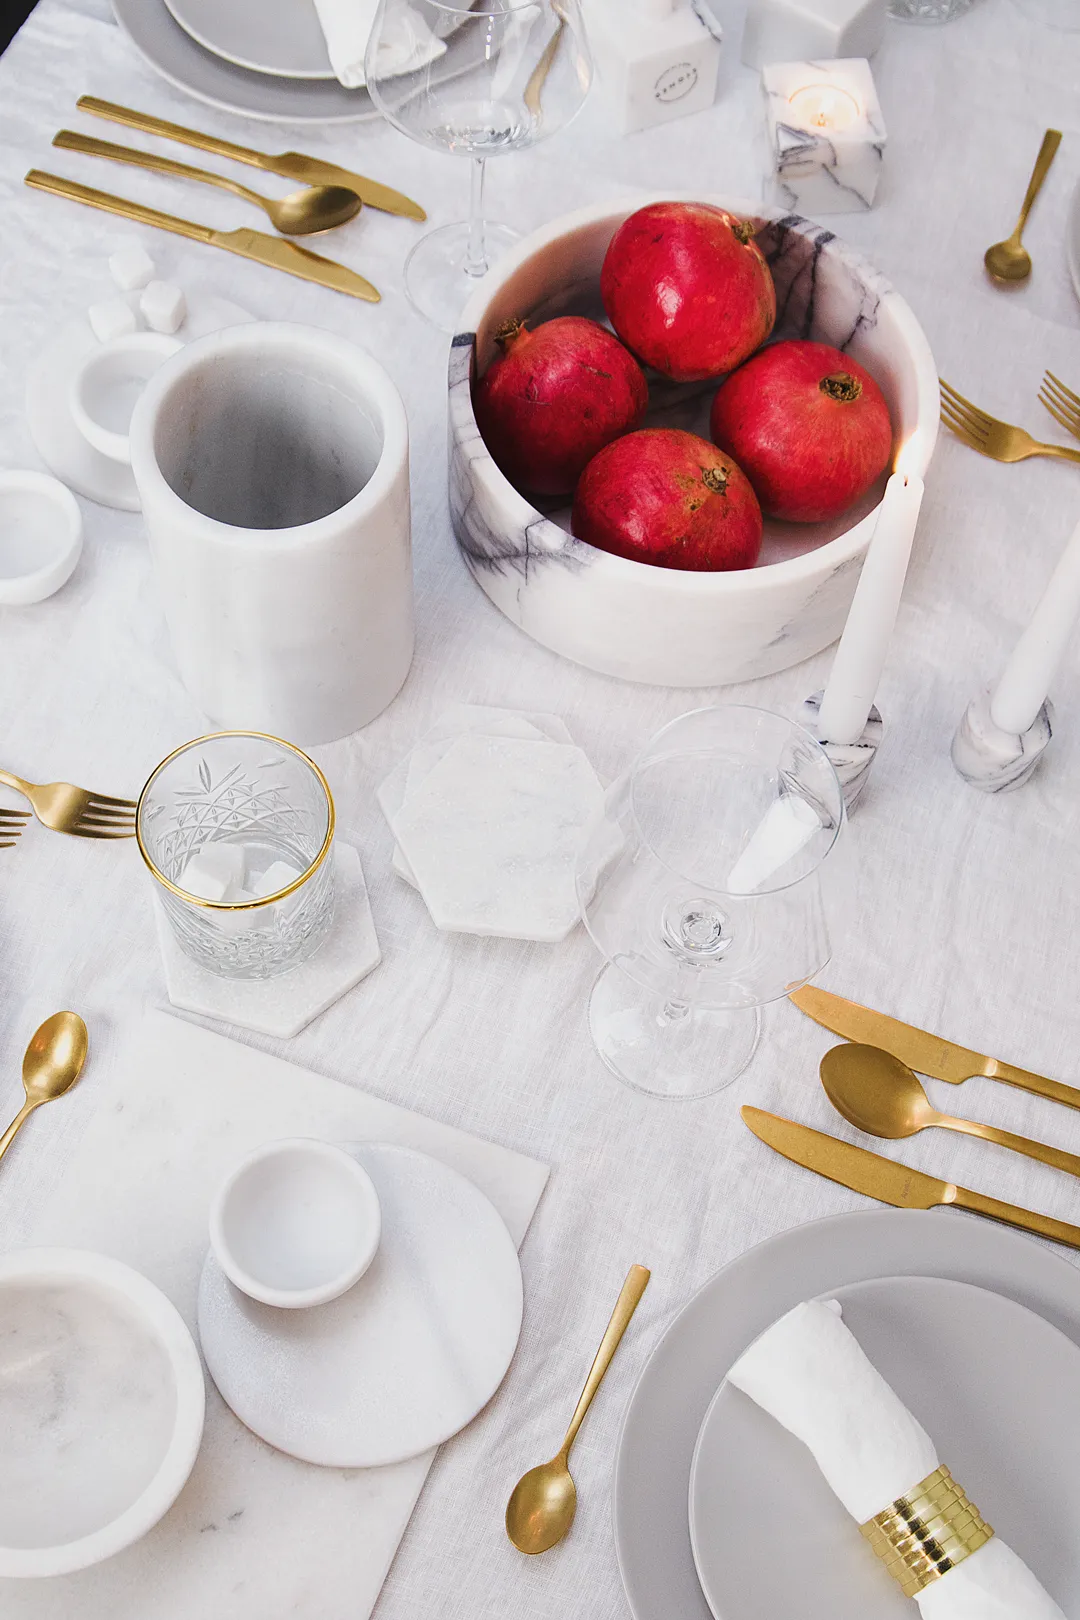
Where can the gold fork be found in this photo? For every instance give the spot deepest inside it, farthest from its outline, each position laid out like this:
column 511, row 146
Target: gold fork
column 68, row 809
column 1061, row 402
column 12, row 823
column 998, row 440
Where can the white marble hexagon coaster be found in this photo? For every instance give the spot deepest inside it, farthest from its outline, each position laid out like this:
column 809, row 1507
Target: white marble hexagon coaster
column 458, row 720
column 284, row 1006
column 492, row 834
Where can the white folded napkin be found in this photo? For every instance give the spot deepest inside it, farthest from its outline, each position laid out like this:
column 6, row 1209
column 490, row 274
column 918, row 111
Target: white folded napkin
column 346, row 25
column 810, row 1373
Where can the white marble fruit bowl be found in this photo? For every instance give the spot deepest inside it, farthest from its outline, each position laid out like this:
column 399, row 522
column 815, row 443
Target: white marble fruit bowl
column 101, row 1409
column 660, row 625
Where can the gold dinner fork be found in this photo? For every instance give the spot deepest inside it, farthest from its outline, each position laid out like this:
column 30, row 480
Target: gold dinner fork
column 1061, row 402
column 12, row 823
column 68, row 809
column 998, row 440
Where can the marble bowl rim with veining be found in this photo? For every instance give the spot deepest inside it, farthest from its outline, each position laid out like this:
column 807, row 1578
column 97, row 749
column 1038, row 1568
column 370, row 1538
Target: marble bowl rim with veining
column 832, row 554
column 160, row 1318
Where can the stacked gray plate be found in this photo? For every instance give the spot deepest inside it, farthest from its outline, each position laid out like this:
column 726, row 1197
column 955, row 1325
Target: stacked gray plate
column 722, row 1515
column 263, row 61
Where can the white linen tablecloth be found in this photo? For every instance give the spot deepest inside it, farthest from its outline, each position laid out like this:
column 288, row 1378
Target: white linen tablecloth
column 967, row 903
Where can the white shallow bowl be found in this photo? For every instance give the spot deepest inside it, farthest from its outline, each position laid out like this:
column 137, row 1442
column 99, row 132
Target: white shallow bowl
column 41, row 536
column 660, row 625
column 101, row 1409
column 296, row 1223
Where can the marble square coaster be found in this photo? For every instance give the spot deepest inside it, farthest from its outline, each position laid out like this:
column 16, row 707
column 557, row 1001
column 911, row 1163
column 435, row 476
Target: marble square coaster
column 284, row 1006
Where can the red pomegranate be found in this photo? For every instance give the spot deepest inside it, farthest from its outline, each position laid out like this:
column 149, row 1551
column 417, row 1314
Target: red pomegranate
column 554, row 397
column 809, row 427
column 666, row 497
column 687, row 289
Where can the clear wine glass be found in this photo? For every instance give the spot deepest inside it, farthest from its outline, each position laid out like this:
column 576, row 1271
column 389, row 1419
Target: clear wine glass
column 715, row 881
column 475, row 81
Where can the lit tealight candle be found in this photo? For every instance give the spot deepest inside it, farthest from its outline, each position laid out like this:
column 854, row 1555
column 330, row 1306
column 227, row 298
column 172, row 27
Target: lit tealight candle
column 824, row 106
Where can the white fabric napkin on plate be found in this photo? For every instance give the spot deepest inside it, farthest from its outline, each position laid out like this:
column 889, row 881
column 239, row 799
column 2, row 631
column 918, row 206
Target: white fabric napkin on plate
column 346, row 25
column 810, row 1373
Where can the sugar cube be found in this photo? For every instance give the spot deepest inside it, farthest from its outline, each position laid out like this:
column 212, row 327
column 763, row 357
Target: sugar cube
column 276, row 877
column 163, row 305
column 131, row 267
column 214, row 870
column 112, row 318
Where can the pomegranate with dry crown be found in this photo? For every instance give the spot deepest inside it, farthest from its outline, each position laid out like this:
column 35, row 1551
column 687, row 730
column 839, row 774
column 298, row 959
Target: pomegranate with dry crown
column 687, row 289
column 553, row 398
column 670, row 498
column 808, row 425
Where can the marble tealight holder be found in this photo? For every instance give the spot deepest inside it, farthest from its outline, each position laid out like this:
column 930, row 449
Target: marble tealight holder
column 850, row 761
column 781, row 30
column 992, row 759
column 826, row 135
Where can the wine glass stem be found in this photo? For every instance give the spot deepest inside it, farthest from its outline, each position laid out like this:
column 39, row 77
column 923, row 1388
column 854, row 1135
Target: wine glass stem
column 476, row 253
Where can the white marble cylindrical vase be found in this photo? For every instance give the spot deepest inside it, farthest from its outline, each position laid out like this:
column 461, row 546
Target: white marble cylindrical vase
column 272, row 461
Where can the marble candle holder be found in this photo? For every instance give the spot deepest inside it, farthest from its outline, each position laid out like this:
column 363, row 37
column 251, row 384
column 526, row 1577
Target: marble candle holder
column 994, row 760
column 826, row 136
column 850, row 761
column 781, row 30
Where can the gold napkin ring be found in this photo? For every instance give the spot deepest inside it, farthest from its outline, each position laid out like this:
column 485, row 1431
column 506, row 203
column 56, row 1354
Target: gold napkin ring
column 922, row 1535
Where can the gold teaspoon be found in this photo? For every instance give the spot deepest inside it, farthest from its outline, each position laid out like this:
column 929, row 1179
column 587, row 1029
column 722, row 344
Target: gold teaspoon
column 878, row 1093
column 1009, row 260
column 543, row 1502
column 51, row 1066
column 301, row 213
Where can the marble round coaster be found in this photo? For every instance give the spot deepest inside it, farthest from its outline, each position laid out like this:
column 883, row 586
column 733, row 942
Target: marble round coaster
column 283, row 1006
column 401, row 1361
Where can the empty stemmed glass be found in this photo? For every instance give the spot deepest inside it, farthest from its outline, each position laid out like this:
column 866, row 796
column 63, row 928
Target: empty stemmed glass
column 475, row 81
column 714, row 882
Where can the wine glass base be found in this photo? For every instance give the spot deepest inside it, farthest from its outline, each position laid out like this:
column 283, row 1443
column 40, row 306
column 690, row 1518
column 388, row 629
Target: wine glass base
column 683, row 1057
column 437, row 284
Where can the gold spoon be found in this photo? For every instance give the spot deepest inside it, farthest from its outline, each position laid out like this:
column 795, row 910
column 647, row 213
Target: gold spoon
column 301, row 213
column 51, row 1066
column 878, row 1093
column 543, row 1502
column 1009, row 260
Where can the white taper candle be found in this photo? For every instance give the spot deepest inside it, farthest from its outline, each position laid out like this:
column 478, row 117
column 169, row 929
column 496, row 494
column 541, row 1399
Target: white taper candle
column 1026, row 678
column 864, row 644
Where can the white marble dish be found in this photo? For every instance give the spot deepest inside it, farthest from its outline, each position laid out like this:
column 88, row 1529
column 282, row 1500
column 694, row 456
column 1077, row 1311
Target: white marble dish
column 41, row 536
column 106, row 384
column 659, row 625
column 101, row 1409
column 404, row 1359
column 296, row 1223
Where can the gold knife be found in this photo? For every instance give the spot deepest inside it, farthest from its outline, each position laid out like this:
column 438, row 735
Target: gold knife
column 291, row 165
column 890, row 1183
column 274, row 251
column 925, row 1053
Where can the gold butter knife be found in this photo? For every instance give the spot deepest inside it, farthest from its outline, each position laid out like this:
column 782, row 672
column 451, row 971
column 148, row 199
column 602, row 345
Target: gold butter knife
column 890, row 1183
column 273, row 251
column 925, row 1053
column 291, row 165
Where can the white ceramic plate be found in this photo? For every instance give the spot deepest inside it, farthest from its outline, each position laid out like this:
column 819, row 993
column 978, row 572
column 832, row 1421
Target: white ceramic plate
column 403, row 1360
column 998, row 1390
column 172, row 52
column 284, row 40
column 666, row 1410
column 1072, row 239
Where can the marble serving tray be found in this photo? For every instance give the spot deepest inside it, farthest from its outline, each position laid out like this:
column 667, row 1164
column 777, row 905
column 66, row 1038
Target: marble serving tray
column 129, row 1168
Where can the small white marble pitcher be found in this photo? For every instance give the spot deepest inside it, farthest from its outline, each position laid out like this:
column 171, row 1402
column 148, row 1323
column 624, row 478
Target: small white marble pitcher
column 272, row 461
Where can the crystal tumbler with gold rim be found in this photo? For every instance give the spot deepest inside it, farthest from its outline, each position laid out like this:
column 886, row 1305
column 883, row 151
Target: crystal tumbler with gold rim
column 237, row 829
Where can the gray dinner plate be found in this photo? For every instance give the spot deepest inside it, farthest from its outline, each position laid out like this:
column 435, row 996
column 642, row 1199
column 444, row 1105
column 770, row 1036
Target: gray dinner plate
column 172, row 52
column 996, row 1387
column 285, row 40
column 668, row 1406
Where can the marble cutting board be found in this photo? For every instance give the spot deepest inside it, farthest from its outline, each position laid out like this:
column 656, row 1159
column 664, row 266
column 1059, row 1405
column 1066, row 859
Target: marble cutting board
column 130, row 1169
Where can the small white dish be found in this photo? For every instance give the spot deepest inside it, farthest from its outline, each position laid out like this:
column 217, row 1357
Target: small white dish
column 41, row 536
column 101, row 1409
column 106, row 385
column 401, row 1361
column 284, row 41
column 296, row 1223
